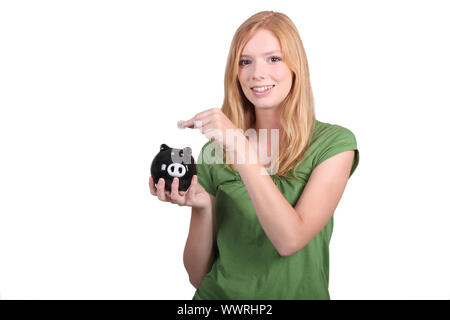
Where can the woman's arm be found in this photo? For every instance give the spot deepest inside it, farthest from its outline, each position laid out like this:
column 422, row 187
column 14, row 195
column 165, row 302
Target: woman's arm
column 290, row 229
column 198, row 252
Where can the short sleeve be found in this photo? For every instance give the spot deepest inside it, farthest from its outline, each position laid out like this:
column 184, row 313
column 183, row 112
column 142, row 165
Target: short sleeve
column 205, row 171
column 337, row 140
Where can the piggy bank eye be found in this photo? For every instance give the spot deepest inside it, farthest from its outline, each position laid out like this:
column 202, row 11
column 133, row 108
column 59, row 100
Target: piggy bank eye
column 181, row 153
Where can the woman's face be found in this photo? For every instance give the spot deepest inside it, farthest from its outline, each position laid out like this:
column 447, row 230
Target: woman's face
column 261, row 66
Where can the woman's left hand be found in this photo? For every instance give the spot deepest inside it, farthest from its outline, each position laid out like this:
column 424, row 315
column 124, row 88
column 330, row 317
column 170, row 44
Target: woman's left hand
column 214, row 124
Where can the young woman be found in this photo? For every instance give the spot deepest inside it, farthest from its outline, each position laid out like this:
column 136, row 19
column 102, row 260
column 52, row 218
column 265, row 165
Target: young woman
column 256, row 232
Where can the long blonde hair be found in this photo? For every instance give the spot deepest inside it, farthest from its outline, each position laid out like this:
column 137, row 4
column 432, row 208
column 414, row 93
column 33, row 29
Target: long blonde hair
column 297, row 109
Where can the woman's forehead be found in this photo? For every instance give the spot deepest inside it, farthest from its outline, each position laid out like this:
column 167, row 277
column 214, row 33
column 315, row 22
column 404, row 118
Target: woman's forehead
column 263, row 42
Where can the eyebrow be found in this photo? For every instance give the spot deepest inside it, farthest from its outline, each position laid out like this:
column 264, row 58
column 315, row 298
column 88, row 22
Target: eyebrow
column 264, row 54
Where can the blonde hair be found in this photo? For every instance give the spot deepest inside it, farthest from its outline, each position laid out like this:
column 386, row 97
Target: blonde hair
column 297, row 109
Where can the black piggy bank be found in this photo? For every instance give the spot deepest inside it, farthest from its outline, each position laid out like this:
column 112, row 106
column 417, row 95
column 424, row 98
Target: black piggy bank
column 170, row 163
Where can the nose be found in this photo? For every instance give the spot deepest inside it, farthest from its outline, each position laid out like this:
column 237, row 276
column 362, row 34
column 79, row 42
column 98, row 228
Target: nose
column 258, row 71
column 176, row 170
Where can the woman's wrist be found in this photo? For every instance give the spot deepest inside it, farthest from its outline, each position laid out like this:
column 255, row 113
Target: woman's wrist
column 203, row 209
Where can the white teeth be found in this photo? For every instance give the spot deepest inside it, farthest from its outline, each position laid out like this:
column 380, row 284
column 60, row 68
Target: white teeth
column 262, row 88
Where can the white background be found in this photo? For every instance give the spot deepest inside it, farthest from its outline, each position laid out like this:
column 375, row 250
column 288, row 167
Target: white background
column 90, row 89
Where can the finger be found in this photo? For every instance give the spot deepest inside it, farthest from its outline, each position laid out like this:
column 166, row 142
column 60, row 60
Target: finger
column 194, row 180
column 160, row 191
column 193, row 123
column 200, row 118
column 188, row 124
column 174, row 195
column 151, row 183
column 212, row 133
column 209, row 128
column 192, row 185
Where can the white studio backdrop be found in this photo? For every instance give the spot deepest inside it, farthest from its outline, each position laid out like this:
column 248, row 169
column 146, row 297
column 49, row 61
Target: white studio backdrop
column 90, row 89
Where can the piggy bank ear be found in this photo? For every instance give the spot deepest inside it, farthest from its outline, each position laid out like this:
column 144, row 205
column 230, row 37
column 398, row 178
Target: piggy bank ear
column 187, row 152
column 164, row 147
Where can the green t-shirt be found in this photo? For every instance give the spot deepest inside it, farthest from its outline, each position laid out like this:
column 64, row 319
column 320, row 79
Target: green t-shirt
column 246, row 264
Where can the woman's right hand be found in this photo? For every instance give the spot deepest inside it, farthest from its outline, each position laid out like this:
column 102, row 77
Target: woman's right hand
column 195, row 196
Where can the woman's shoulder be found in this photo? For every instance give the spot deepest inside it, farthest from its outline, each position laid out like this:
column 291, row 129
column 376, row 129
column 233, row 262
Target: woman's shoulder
column 330, row 139
column 325, row 131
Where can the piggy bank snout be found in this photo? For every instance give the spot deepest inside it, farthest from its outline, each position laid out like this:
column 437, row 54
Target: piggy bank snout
column 176, row 170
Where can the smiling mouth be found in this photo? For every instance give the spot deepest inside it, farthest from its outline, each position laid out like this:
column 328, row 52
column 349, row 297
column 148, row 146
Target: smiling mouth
column 262, row 89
